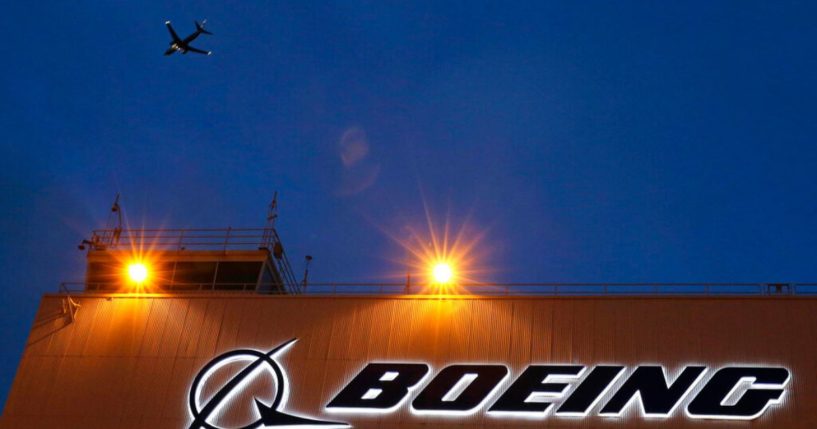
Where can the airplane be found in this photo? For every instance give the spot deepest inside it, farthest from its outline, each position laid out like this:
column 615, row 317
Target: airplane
column 183, row 45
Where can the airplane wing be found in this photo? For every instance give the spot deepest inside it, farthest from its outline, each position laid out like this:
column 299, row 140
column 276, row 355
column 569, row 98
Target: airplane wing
column 172, row 32
column 198, row 51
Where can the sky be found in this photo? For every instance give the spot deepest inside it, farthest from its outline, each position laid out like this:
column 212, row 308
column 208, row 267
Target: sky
column 582, row 141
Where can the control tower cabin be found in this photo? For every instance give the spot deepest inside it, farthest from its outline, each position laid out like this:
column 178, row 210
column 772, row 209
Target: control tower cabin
column 186, row 260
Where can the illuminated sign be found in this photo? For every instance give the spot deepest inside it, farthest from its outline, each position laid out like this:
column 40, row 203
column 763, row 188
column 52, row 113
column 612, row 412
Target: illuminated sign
column 733, row 392
column 539, row 391
column 257, row 362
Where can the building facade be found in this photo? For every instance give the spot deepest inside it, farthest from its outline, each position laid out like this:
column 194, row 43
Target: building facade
column 238, row 360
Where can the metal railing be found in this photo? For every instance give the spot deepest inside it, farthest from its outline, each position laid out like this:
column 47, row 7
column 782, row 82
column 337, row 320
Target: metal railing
column 182, row 239
column 281, row 261
column 479, row 289
column 119, row 287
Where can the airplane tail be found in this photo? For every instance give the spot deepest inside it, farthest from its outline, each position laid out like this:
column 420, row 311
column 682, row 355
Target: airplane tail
column 200, row 27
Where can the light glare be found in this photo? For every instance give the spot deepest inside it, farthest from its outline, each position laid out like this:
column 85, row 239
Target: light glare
column 137, row 272
column 442, row 272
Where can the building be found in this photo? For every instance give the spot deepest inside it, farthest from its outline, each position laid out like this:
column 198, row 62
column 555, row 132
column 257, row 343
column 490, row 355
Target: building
column 222, row 335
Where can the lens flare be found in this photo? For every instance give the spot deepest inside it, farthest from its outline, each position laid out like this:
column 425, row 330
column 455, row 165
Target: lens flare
column 140, row 266
column 442, row 260
column 137, row 272
column 442, row 272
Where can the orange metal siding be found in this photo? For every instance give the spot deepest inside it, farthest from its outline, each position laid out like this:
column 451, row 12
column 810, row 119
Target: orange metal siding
column 128, row 362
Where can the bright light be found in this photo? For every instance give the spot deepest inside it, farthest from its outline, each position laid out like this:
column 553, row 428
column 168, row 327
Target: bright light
column 444, row 260
column 137, row 272
column 442, row 272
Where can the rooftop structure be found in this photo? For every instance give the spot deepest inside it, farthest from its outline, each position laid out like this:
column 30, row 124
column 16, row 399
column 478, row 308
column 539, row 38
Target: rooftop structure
column 183, row 260
column 253, row 260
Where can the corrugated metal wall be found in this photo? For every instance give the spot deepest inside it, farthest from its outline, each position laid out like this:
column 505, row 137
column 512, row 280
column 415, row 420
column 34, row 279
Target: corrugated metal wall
column 129, row 362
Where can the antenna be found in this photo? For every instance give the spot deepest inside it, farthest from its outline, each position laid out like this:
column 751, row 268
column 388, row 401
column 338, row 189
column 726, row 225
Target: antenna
column 96, row 241
column 308, row 259
column 117, row 231
column 272, row 212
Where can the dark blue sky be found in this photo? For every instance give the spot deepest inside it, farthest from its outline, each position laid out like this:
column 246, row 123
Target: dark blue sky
column 610, row 141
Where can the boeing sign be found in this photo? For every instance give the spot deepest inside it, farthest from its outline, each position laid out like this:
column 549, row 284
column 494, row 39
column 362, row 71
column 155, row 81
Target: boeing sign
column 539, row 391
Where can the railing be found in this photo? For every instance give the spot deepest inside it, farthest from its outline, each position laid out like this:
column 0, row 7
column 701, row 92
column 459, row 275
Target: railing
column 482, row 289
column 182, row 239
column 282, row 262
column 117, row 287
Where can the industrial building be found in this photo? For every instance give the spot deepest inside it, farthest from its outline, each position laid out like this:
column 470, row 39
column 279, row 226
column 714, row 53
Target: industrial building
column 178, row 329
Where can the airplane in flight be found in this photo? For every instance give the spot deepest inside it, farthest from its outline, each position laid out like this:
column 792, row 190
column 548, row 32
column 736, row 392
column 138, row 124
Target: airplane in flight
column 183, row 45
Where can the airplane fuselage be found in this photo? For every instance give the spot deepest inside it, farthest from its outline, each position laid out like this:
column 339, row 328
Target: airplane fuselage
column 178, row 47
column 175, row 47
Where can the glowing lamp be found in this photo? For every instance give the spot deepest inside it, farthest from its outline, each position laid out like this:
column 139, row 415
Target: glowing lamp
column 137, row 272
column 442, row 273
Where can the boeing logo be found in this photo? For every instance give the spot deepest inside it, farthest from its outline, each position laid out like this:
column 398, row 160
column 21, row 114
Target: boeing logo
column 256, row 363
column 737, row 392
